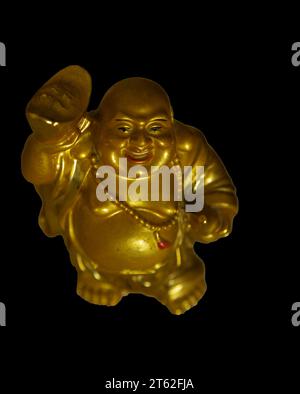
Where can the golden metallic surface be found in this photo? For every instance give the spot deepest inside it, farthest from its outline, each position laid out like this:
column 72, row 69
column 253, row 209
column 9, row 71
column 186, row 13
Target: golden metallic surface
column 121, row 247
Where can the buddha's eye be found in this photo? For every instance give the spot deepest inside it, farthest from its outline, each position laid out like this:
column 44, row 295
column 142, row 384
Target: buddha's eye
column 123, row 129
column 155, row 128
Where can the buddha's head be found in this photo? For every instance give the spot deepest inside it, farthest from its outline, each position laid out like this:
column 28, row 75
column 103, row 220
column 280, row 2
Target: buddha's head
column 136, row 122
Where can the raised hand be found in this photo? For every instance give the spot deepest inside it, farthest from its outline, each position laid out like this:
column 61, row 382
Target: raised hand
column 59, row 104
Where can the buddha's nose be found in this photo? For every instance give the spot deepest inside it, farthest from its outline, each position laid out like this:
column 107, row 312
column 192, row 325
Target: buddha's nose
column 140, row 140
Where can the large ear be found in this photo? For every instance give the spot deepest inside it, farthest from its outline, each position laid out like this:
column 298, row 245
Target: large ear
column 61, row 101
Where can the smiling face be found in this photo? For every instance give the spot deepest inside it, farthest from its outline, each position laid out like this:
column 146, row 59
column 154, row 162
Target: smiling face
column 136, row 122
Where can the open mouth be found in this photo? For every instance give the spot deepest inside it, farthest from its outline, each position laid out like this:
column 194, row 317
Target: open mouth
column 139, row 157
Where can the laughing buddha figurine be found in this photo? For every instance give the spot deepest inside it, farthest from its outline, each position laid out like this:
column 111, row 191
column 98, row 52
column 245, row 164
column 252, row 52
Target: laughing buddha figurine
column 120, row 247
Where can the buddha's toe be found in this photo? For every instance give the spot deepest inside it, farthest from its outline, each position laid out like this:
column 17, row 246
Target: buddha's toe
column 185, row 288
column 100, row 295
column 184, row 302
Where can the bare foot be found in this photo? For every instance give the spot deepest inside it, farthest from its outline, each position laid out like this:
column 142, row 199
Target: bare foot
column 185, row 288
column 99, row 292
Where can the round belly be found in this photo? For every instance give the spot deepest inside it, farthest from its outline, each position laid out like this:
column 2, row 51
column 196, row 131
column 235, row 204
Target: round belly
column 119, row 244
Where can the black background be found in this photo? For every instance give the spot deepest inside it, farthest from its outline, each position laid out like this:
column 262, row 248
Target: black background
column 234, row 80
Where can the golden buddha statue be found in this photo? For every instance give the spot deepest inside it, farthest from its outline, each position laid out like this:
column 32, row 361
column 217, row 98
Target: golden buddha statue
column 120, row 247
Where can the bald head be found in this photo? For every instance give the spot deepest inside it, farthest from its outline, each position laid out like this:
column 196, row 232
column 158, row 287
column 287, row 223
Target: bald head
column 135, row 121
column 135, row 98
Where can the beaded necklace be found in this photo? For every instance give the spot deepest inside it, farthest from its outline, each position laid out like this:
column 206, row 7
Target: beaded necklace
column 161, row 242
